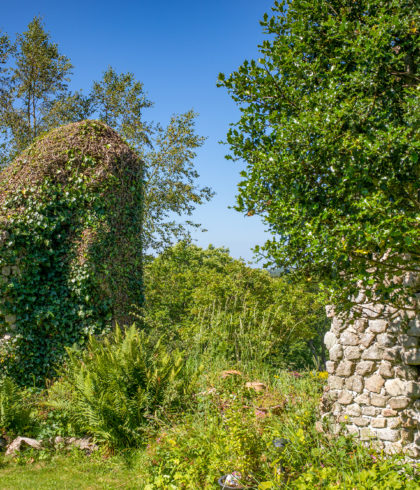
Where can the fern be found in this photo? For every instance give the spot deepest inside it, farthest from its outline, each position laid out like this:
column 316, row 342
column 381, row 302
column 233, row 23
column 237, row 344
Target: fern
column 118, row 384
column 15, row 411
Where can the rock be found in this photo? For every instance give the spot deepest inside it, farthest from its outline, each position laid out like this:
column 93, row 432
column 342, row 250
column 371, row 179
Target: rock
column 398, row 403
column 345, row 368
column 352, row 353
column 363, row 399
column 414, row 327
column 336, row 352
column 374, row 383
column 354, row 410
column 388, row 435
column 345, row 398
column 412, row 389
column 355, row 383
column 378, row 423
column 366, row 434
column 256, row 385
column 378, row 326
column 370, row 411
column 364, row 367
column 412, row 357
column 408, row 342
column 386, row 370
column 230, row 372
column 348, row 338
column 330, row 340
column 395, row 387
column 374, row 353
column 360, row 421
column 385, row 340
column 366, row 339
column 335, row 382
column 394, row 423
column 20, row 443
column 387, row 412
column 378, row 400
column 330, row 367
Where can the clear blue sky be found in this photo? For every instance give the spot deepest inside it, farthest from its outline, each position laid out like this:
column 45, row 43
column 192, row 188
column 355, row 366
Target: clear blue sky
column 176, row 48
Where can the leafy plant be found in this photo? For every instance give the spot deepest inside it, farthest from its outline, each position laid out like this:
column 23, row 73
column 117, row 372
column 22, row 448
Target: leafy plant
column 120, row 384
column 15, row 409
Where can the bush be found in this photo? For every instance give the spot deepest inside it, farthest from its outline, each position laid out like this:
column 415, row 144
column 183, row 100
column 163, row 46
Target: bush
column 15, row 409
column 117, row 386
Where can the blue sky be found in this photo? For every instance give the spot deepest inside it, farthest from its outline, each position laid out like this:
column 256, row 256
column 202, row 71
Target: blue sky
column 177, row 49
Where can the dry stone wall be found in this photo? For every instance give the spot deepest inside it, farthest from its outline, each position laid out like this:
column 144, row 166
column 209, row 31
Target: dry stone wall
column 373, row 384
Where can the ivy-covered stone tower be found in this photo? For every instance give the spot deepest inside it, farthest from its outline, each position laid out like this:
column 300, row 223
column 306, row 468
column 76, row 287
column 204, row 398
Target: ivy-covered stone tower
column 70, row 244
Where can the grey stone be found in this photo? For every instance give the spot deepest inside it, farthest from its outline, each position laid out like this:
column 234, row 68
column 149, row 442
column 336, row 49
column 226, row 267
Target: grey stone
column 378, row 400
column 392, row 353
column 378, row 326
column 370, row 411
column 412, row 357
column 374, row 383
column 345, row 398
column 412, row 389
column 399, row 402
column 361, row 324
column 345, row 368
column 387, row 412
column 336, row 353
column 352, row 353
column 364, row 367
column 330, row 340
column 366, row 434
column 406, row 372
column 394, row 422
column 395, row 387
column 363, row 399
column 388, row 435
column 414, row 327
column 19, row 443
column 330, row 367
column 374, row 353
column 348, row 338
column 386, row 370
column 360, row 421
column 366, row 339
column 409, row 342
column 379, row 423
column 354, row 410
column 335, row 382
column 355, row 383
column 385, row 340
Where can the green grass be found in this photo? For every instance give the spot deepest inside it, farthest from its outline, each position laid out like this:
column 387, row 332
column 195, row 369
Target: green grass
column 71, row 472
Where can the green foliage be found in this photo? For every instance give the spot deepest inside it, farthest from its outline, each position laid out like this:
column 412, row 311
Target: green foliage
column 329, row 134
column 34, row 98
column 15, row 409
column 214, row 306
column 38, row 76
column 118, row 386
column 66, row 223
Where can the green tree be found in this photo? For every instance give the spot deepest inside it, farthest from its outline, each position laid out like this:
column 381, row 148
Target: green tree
column 330, row 136
column 38, row 76
column 4, row 90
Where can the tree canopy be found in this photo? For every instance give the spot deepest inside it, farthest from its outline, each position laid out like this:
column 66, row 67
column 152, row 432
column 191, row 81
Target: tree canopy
column 330, row 136
column 35, row 97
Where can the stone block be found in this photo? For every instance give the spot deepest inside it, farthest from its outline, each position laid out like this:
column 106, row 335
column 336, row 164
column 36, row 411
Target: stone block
column 373, row 353
column 412, row 389
column 386, row 340
column 414, row 327
column 330, row 367
column 386, row 370
column 378, row 325
column 370, row 411
column 366, row 339
column 395, row 387
column 378, row 400
column 360, row 421
column 352, row 430
column 352, row 353
column 394, row 422
column 361, row 324
column 412, row 357
column 349, row 338
column 329, row 340
column 387, row 412
column 354, row 383
column 345, row 397
column 363, row 399
column 336, row 353
column 335, row 382
column 399, row 402
column 354, row 410
column 345, row 368
column 378, row 423
column 406, row 372
column 388, row 435
column 365, row 367
column 329, row 310
column 409, row 341
column 392, row 353
column 374, row 383
column 366, row 434
column 407, row 435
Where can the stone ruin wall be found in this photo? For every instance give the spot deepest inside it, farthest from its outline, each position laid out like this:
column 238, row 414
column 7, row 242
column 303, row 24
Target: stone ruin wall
column 374, row 376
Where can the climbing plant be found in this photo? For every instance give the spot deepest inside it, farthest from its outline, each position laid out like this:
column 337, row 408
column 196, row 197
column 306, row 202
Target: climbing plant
column 72, row 225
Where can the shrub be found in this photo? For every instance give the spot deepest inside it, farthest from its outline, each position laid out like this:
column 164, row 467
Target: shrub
column 15, row 409
column 117, row 386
